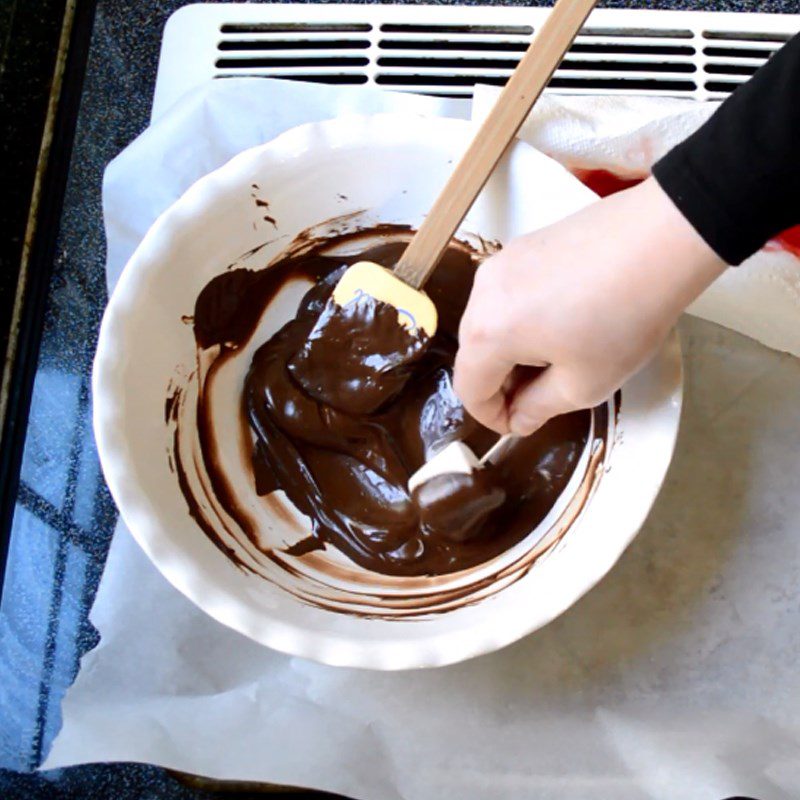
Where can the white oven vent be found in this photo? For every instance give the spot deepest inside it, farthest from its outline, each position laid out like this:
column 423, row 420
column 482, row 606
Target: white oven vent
column 446, row 50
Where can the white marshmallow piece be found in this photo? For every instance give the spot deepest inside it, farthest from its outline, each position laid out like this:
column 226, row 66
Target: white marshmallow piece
column 456, row 457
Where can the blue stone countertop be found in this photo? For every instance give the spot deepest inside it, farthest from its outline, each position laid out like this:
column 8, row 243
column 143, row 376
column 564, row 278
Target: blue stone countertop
column 64, row 515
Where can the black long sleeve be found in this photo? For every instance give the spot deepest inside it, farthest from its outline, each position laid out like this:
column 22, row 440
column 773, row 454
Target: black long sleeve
column 737, row 179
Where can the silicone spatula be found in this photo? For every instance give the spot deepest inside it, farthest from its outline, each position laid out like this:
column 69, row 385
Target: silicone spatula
column 402, row 286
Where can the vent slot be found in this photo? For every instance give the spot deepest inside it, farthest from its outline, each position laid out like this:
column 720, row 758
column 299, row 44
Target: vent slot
column 506, row 30
column 634, row 49
column 626, row 66
column 623, row 85
column 295, row 27
column 507, row 64
column 730, row 69
column 721, row 87
column 738, row 52
column 627, row 33
column 247, row 45
column 744, row 36
column 493, row 45
column 438, row 80
column 271, row 63
column 310, row 77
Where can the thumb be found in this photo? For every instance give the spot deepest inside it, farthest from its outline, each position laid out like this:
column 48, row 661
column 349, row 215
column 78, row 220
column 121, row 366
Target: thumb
column 537, row 401
column 478, row 381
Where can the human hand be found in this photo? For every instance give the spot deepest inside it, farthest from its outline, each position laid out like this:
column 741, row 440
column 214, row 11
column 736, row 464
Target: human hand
column 590, row 299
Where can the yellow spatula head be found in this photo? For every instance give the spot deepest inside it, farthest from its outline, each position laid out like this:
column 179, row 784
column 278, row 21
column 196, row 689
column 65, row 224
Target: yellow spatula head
column 415, row 310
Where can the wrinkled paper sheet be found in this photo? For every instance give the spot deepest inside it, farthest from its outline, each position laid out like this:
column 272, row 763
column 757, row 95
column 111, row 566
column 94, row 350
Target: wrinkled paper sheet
column 676, row 677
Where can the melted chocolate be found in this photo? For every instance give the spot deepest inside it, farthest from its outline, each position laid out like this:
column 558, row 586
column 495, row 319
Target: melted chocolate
column 356, row 358
column 345, row 405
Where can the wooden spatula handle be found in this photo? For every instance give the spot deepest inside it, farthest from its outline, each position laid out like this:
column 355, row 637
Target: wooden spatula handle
column 520, row 93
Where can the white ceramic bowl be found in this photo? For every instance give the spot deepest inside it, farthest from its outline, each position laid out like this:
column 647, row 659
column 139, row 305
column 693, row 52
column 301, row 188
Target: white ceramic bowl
column 376, row 169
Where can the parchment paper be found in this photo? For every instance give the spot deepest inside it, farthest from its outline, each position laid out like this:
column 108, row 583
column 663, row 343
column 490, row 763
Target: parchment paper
column 675, row 678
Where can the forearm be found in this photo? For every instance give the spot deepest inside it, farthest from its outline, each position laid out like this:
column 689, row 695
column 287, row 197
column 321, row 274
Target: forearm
column 737, row 179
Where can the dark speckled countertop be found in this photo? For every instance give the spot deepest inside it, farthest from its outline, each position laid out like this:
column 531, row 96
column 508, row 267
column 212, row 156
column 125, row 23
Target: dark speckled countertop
column 64, row 516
